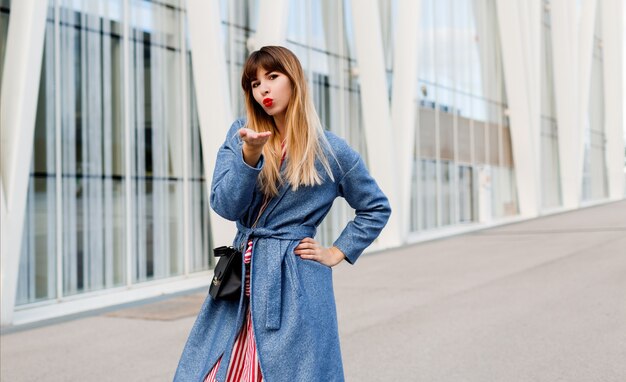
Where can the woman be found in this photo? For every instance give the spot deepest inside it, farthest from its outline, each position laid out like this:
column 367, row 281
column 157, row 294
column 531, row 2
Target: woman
column 277, row 175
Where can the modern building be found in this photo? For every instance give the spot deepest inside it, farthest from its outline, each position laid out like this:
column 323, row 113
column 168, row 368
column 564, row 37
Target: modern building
column 469, row 113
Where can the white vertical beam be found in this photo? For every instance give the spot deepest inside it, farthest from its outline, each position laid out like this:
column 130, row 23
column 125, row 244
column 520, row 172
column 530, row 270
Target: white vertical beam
column 272, row 25
column 212, row 94
column 565, row 69
column 585, row 36
column 405, row 69
column 185, row 103
column 18, row 106
column 612, row 34
column 376, row 114
column 520, row 24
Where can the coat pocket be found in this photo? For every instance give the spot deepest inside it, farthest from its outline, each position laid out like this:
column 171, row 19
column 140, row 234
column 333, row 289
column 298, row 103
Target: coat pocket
column 292, row 269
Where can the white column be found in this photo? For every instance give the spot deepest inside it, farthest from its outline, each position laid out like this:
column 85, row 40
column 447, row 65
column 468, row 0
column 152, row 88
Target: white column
column 566, row 68
column 18, row 106
column 520, row 23
column 272, row 24
column 212, row 94
column 612, row 35
column 376, row 114
column 405, row 69
column 586, row 29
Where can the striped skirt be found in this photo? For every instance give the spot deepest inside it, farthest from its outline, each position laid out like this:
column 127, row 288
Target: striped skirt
column 244, row 362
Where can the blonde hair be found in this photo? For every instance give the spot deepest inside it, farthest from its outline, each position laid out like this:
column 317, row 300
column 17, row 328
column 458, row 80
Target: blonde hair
column 305, row 137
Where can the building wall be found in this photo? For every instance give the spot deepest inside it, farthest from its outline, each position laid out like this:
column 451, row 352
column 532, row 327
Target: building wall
column 117, row 186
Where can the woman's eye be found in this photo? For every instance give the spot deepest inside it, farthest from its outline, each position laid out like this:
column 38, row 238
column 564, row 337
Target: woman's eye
column 255, row 84
column 273, row 76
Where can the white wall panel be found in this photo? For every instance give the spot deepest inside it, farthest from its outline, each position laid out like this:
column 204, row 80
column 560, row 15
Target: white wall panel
column 566, row 67
column 612, row 34
column 403, row 102
column 383, row 159
column 520, row 30
column 272, row 24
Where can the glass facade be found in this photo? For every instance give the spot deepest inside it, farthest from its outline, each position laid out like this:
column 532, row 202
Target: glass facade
column 550, row 170
column 463, row 168
column 117, row 194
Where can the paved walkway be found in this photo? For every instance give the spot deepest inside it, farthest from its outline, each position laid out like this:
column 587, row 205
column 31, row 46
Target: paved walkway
column 542, row 300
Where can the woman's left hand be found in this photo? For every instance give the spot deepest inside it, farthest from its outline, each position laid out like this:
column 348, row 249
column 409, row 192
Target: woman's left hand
column 310, row 249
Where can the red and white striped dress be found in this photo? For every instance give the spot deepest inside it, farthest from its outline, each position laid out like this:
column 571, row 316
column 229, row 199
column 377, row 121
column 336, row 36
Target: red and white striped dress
column 244, row 361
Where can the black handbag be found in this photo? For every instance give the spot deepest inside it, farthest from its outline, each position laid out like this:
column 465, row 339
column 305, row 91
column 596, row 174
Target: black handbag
column 227, row 280
column 226, row 284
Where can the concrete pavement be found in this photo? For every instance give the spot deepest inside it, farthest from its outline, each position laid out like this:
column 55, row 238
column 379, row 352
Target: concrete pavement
column 541, row 300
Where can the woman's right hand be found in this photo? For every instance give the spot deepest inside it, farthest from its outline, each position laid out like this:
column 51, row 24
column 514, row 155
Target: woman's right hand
column 253, row 143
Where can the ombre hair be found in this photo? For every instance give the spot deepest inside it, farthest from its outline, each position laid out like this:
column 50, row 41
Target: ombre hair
column 305, row 140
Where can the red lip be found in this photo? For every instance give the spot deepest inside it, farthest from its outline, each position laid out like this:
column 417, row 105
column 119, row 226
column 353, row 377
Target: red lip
column 268, row 102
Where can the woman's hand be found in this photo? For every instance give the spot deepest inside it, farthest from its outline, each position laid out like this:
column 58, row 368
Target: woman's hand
column 310, row 249
column 253, row 143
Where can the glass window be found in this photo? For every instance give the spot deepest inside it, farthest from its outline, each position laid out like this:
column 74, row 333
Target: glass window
column 95, row 198
column 92, row 146
column 461, row 93
column 156, row 142
column 200, row 230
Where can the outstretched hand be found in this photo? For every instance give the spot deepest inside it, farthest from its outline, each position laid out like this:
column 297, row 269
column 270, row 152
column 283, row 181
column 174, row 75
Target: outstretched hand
column 253, row 143
column 254, row 139
column 309, row 249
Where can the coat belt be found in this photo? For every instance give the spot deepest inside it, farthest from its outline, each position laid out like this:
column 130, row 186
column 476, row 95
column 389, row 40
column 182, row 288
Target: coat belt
column 276, row 252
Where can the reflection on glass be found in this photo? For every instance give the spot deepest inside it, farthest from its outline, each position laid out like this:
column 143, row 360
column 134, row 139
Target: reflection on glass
column 466, row 205
column 156, row 140
column 461, row 105
column 200, row 230
column 429, row 194
column 94, row 200
column 92, row 150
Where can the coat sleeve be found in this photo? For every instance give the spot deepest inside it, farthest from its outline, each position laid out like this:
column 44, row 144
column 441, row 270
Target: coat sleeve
column 234, row 181
column 372, row 211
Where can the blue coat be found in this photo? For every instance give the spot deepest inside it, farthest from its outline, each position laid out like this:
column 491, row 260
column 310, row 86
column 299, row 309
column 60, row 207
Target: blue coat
column 292, row 300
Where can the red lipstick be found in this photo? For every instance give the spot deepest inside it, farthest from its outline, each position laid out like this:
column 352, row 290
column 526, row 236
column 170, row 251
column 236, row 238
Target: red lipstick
column 268, row 102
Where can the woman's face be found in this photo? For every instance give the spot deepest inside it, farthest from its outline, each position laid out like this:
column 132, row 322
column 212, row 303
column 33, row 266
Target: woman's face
column 272, row 90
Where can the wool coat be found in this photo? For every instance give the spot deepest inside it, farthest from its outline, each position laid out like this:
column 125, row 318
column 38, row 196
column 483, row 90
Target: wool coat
column 292, row 300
